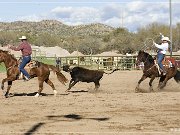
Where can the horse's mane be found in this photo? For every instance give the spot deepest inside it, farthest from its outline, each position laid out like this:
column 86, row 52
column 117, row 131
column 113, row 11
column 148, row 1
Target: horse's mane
column 8, row 54
column 150, row 58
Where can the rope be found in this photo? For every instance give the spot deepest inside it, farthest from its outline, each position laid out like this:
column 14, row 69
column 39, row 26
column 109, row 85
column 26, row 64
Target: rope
column 148, row 40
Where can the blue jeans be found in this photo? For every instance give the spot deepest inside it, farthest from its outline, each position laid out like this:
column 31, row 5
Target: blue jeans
column 25, row 60
column 160, row 58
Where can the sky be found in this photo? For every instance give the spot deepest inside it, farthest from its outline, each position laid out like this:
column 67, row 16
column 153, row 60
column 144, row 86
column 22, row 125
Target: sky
column 131, row 14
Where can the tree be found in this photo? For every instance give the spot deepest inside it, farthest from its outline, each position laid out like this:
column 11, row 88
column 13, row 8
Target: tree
column 7, row 37
column 48, row 40
column 90, row 45
column 121, row 40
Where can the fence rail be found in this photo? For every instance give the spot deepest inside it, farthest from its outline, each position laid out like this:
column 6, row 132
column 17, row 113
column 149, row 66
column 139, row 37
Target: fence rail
column 107, row 62
column 99, row 62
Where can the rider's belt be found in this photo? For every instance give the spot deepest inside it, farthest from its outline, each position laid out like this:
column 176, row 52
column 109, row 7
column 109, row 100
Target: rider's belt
column 27, row 56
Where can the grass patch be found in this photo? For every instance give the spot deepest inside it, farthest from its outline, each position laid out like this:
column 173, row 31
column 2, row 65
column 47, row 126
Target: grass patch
column 50, row 61
column 2, row 68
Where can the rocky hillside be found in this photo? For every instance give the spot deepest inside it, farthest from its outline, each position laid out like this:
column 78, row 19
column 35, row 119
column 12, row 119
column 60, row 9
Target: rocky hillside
column 55, row 27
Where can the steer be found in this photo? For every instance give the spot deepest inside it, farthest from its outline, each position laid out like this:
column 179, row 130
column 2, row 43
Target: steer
column 84, row 75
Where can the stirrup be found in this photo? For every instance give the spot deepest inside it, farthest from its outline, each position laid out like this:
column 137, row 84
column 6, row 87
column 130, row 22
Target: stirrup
column 26, row 78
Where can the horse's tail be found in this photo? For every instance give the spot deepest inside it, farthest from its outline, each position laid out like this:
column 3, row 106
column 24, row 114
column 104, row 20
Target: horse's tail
column 60, row 76
column 177, row 76
column 112, row 71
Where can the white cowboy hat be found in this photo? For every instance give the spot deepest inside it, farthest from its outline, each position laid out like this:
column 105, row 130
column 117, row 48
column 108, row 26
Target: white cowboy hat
column 166, row 39
column 23, row 37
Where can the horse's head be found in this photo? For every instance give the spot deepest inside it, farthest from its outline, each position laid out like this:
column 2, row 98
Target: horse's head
column 3, row 55
column 7, row 58
column 144, row 57
column 140, row 57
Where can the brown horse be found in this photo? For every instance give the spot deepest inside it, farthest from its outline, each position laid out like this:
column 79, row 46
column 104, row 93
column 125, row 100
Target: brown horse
column 151, row 71
column 41, row 70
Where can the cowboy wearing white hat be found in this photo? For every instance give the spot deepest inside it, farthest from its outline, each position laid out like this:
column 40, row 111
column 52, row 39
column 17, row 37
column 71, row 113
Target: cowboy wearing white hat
column 162, row 49
column 23, row 38
column 165, row 39
column 26, row 50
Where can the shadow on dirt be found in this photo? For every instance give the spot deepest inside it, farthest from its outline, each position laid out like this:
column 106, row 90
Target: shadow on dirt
column 61, row 118
column 28, row 94
column 77, row 91
column 34, row 128
column 71, row 117
column 42, row 94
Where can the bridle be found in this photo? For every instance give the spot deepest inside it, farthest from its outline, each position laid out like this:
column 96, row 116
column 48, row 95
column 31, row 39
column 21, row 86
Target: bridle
column 145, row 60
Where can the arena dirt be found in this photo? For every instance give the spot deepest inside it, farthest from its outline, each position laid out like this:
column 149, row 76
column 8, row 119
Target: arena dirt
column 115, row 108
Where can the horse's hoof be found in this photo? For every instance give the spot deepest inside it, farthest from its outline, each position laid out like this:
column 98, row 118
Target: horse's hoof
column 136, row 90
column 37, row 95
column 151, row 89
column 158, row 88
column 67, row 90
column 55, row 92
column 162, row 86
column 6, row 95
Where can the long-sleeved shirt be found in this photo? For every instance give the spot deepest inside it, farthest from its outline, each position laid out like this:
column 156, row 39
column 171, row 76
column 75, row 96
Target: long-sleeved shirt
column 24, row 47
column 162, row 48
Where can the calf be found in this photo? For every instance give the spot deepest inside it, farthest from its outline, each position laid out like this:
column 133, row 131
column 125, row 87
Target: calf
column 84, row 75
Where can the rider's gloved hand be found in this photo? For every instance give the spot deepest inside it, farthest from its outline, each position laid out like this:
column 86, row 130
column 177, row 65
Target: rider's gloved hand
column 161, row 35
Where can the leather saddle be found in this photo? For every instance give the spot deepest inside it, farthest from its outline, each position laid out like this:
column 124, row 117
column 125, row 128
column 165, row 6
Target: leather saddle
column 167, row 63
column 28, row 67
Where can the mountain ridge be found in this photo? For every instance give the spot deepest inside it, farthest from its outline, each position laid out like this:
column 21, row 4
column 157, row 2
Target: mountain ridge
column 56, row 27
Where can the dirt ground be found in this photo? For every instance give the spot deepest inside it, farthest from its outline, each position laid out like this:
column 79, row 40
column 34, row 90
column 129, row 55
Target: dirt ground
column 114, row 109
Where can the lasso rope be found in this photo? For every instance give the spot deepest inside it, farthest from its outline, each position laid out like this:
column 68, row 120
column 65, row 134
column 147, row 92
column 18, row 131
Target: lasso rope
column 148, row 40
